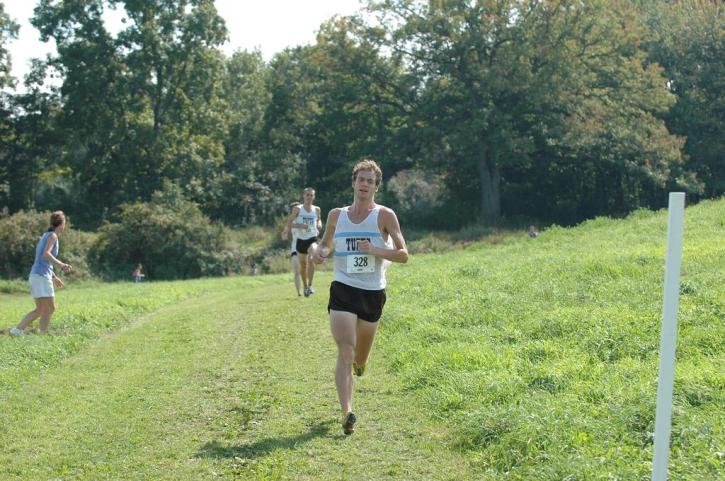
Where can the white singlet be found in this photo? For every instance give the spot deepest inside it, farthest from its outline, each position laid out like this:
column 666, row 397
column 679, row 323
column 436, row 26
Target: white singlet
column 310, row 220
column 352, row 267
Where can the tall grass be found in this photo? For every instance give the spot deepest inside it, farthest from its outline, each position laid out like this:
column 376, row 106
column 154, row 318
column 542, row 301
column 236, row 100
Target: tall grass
column 542, row 354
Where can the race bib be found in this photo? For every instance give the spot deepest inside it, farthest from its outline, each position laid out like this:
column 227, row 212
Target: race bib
column 360, row 263
column 309, row 224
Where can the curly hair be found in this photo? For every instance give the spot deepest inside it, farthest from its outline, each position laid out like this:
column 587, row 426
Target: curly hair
column 367, row 164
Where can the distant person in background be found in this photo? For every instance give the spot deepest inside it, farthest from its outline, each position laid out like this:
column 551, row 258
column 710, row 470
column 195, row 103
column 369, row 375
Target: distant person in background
column 137, row 274
column 532, row 231
column 42, row 277
column 294, row 258
column 306, row 218
column 365, row 238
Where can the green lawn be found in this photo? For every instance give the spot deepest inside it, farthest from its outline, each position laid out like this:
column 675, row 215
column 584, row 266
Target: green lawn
column 531, row 359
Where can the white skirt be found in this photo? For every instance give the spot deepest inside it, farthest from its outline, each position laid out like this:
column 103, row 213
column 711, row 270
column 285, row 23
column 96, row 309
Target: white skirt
column 41, row 286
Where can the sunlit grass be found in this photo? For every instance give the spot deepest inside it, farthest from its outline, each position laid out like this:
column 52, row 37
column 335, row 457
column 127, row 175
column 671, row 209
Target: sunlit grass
column 542, row 354
column 512, row 358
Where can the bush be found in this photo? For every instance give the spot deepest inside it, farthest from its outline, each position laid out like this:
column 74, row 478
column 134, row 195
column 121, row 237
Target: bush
column 19, row 235
column 418, row 197
column 171, row 238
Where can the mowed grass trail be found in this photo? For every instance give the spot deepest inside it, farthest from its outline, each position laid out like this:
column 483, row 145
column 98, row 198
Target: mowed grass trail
column 516, row 359
column 236, row 384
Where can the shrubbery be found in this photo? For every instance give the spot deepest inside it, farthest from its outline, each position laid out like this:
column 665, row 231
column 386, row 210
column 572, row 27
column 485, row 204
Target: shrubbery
column 418, row 198
column 171, row 238
column 169, row 235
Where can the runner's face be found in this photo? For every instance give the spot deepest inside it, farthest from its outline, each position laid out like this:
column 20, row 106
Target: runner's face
column 309, row 197
column 364, row 183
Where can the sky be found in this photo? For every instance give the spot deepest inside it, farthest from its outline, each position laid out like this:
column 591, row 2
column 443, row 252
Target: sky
column 269, row 25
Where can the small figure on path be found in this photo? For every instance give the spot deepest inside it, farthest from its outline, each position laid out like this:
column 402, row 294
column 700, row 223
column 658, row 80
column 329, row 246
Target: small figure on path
column 306, row 218
column 137, row 274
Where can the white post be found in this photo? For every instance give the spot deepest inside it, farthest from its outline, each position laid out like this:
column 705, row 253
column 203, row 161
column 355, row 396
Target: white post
column 668, row 337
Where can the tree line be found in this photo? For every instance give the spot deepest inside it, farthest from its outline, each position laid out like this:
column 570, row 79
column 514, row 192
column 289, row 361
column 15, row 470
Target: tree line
column 479, row 111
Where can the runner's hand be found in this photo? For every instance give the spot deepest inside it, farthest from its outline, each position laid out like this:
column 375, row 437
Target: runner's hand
column 320, row 255
column 364, row 246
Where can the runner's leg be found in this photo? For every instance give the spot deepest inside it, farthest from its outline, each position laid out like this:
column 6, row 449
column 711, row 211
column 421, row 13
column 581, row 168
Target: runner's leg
column 342, row 325
column 310, row 263
column 365, row 337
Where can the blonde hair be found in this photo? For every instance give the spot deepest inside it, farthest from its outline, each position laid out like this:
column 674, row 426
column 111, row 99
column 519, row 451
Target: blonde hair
column 367, row 164
column 57, row 218
column 309, row 189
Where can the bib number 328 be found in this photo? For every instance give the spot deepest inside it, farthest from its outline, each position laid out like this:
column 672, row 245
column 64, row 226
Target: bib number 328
column 357, row 264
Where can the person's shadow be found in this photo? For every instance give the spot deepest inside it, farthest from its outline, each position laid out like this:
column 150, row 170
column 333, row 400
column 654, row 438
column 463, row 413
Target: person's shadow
column 214, row 449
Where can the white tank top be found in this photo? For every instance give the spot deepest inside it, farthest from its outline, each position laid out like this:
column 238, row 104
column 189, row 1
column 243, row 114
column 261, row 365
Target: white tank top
column 310, row 220
column 352, row 267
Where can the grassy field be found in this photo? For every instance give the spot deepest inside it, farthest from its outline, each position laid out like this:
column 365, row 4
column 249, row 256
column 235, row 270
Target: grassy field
column 527, row 359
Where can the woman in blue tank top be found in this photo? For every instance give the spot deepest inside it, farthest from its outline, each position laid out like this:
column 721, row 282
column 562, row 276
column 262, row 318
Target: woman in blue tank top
column 365, row 238
column 42, row 277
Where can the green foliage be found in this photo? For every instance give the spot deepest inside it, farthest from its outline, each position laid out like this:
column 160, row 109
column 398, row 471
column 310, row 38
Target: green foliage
column 168, row 235
column 503, row 84
column 8, row 31
column 501, row 103
column 19, row 235
column 686, row 39
column 13, row 287
column 361, row 98
column 417, row 198
column 141, row 106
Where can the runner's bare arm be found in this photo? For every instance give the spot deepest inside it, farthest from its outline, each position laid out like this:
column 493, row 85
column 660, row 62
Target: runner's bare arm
column 388, row 222
column 327, row 238
column 48, row 255
column 293, row 215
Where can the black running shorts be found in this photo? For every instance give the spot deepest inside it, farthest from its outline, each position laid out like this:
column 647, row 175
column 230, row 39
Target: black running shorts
column 367, row 305
column 304, row 244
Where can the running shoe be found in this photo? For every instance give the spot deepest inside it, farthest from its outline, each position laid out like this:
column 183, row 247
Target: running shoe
column 312, row 291
column 307, row 292
column 358, row 370
column 16, row 332
column 348, row 424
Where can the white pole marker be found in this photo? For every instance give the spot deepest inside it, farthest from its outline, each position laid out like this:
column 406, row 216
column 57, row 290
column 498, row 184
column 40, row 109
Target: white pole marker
column 668, row 337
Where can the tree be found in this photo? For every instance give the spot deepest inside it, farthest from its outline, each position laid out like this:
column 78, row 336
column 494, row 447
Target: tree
column 334, row 102
column 502, row 81
column 245, row 188
column 8, row 30
column 141, row 106
column 363, row 107
column 687, row 40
